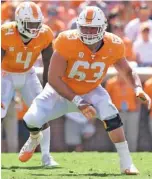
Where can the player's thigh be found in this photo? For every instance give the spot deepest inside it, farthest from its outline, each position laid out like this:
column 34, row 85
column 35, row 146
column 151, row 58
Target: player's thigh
column 7, row 93
column 32, row 88
column 48, row 105
column 101, row 100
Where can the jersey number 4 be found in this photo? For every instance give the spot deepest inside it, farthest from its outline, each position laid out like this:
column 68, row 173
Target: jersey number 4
column 27, row 61
column 82, row 75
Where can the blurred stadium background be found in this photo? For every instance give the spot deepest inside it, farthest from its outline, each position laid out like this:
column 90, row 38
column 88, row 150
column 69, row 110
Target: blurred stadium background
column 132, row 21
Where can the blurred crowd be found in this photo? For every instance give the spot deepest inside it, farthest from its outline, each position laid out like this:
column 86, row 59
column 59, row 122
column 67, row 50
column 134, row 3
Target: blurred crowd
column 130, row 20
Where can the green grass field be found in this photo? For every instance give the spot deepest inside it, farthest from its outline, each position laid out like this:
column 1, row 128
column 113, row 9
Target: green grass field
column 86, row 165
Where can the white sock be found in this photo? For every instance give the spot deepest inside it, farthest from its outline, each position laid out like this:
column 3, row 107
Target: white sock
column 124, row 154
column 45, row 142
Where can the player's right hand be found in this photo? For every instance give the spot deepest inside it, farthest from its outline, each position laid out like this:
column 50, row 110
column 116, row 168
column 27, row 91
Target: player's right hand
column 87, row 110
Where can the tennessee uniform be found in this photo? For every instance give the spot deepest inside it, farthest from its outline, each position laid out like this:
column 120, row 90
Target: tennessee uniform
column 78, row 65
column 19, row 58
column 84, row 74
column 22, row 42
column 17, row 71
column 86, row 70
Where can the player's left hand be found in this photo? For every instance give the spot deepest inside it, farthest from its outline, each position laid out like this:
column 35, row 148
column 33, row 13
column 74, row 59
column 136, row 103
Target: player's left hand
column 143, row 97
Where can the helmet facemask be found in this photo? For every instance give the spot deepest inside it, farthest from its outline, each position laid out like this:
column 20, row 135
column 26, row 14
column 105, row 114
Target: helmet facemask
column 28, row 28
column 97, row 33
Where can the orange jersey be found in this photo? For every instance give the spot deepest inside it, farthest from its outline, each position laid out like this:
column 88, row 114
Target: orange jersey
column 120, row 92
column 18, row 57
column 148, row 90
column 85, row 69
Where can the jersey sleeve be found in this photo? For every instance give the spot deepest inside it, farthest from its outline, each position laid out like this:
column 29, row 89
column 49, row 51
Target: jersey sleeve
column 4, row 42
column 119, row 49
column 60, row 45
column 120, row 52
column 49, row 36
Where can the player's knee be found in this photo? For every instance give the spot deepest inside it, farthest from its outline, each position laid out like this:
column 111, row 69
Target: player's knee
column 31, row 128
column 31, row 122
column 113, row 123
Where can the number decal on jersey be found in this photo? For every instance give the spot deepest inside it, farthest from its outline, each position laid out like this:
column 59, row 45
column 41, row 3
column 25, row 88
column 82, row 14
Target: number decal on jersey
column 116, row 40
column 71, row 36
column 86, row 65
column 27, row 61
column 99, row 74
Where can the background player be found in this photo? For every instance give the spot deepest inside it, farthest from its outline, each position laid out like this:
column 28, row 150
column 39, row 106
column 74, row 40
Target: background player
column 78, row 65
column 22, row 42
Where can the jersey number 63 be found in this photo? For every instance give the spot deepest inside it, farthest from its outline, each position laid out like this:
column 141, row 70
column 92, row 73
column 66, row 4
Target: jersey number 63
column 86, row 65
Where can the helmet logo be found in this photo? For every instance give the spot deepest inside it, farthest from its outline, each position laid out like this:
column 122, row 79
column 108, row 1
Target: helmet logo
column 89, row 16
column 34, row 10
column 81, row 54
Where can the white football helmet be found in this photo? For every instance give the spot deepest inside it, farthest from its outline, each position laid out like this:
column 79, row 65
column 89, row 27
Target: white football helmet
column 94, row 18
column 29, row 17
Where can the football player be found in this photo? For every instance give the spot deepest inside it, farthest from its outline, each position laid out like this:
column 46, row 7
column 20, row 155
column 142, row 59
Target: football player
column 22, row 42
column 78, row 65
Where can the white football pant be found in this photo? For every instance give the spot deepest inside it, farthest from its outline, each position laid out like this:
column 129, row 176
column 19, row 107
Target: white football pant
column 27, row 83
column 49, row 105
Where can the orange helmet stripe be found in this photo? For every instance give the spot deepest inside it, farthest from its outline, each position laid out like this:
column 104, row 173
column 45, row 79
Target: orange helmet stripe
column 34, row 10
column 89, row 15
column 21, row 6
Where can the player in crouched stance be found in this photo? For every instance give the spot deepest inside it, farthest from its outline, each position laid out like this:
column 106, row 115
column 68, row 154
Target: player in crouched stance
column 79, row 63
column 22, row 42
